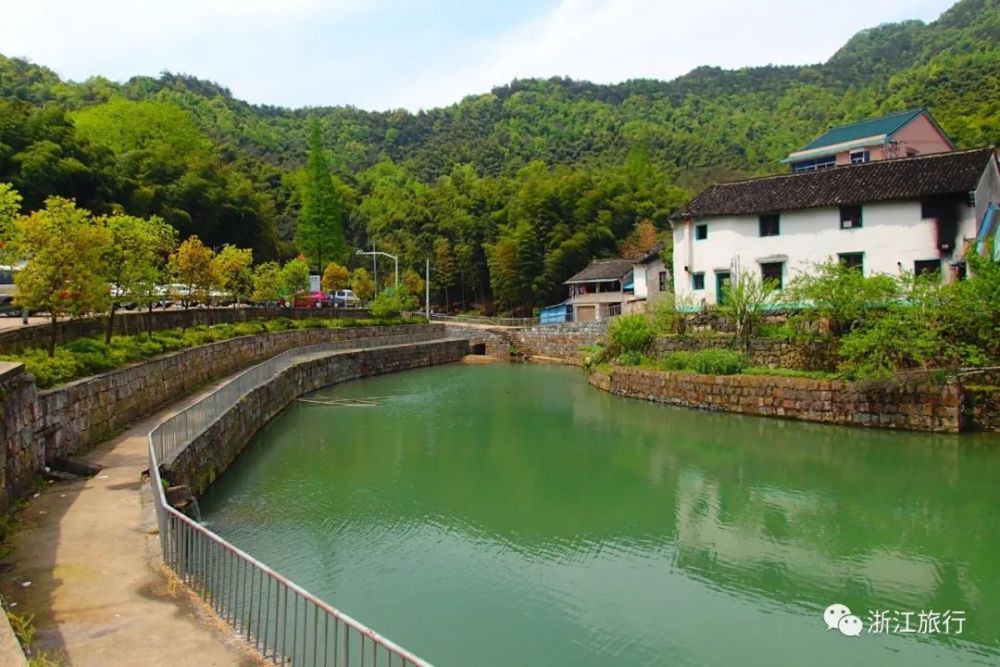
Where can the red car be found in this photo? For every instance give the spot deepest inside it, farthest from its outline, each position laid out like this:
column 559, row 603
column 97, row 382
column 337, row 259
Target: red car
column 311, row 300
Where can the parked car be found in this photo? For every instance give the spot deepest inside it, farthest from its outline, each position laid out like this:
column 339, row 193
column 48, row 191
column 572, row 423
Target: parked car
column 311, row 300
column 344, row 298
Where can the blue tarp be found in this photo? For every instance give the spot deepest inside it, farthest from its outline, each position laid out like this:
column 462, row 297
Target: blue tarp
column 562, row 312
column 989, row 229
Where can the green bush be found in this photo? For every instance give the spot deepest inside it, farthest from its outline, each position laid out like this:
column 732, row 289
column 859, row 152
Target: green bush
column 592, row 355
column 47, row 371
column 677, row 361
column 713, row 361
column 630, row 333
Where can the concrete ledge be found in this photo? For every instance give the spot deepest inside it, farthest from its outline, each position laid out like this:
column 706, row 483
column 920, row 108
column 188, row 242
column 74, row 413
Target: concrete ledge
column 11, row 654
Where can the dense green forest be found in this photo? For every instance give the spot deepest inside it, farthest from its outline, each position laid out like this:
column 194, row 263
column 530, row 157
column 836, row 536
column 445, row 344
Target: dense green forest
column 507, row 192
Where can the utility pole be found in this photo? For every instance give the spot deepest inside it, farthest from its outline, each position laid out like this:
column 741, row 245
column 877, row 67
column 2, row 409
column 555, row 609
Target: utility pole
column 427, row 288
column 379, row 252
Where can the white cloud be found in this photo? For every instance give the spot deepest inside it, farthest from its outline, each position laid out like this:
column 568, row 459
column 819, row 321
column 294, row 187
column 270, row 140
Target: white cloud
column 397, row 53
column 614, row 40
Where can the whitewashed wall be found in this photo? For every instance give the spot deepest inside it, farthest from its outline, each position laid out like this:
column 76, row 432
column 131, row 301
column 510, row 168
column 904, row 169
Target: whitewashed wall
column 892, row 232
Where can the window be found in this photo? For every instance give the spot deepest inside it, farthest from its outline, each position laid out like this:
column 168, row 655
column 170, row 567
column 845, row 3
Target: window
column 930, row 209
column 850, row 217
column 926, row 267
column 815, row 165
column 771, row 271
column 853, row 260
column 700, row 232
column 860, row 157
column 697, row 281
column 770, row 224
column 663, row 281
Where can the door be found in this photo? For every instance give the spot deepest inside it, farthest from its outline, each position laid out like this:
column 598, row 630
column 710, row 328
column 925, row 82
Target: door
column 586, row 313
column 722, row 281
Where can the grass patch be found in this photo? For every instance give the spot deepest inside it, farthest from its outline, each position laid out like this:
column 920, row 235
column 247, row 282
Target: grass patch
column 88, row 356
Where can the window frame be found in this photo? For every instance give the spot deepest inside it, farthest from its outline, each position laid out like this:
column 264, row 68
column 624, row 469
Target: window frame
column 763, row 224
column 695, row 279
column 864, row 155
column 781, row 273
column 846, row 259
column 917, row 270
column 701, row 231
column 857, row 223
column 662, row 281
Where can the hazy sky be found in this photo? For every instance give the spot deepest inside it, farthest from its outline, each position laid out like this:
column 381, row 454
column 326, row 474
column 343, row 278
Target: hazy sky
column 381, row 54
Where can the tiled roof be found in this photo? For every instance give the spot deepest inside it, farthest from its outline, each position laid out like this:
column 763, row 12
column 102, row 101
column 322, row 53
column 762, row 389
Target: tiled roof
column 872, row 127
column 602, row 269
column 652, row 253
column 884, row 180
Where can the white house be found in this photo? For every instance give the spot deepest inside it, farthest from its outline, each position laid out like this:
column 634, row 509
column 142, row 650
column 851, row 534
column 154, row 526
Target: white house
column 913, row 214
column 650, row 280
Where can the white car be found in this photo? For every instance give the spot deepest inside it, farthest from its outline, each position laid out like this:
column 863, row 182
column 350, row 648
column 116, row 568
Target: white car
column 345, row 298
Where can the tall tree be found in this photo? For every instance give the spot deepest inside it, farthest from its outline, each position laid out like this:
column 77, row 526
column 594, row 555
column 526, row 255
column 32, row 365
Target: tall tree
column 192, row 263
column 267, row 282
column 63, row 246
column 10, row 211
column 335, row 277
column 133, row 261
column 320, row 230
column 232, row 272
column 295, row 277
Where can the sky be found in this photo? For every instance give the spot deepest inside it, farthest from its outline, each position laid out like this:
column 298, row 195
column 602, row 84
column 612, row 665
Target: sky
column 388, row 54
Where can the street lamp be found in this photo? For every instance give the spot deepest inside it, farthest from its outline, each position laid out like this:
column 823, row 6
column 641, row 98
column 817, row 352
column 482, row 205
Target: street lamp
column 379, row 252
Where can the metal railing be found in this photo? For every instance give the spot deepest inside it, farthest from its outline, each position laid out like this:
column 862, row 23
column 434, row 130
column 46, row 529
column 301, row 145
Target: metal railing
column 285, row 623
column 483, row 319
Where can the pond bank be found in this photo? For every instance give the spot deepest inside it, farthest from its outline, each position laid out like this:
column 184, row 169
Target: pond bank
column 907, row 405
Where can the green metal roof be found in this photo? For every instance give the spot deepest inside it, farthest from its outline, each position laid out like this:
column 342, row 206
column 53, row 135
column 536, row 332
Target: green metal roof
column 873, row 127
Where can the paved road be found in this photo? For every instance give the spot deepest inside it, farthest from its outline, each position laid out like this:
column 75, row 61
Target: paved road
column 85, row 565
column 12, row 322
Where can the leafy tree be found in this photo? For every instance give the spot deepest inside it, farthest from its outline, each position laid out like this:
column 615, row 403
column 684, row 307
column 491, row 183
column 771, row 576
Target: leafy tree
column 840, row 294
column 232, row 272
column 267, row 282
column 320, row 231
column 64, row 246
column 642, row 237
column 335, row 277
column 10, row 211
column 412, row 282
column 443, row 266
column 295, row 277
column 192, row 264
column 133, row 261
column 746, row 298
column 362, row 284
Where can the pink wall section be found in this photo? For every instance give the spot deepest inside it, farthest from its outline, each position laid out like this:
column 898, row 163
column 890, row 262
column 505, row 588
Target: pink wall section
column 919, row 135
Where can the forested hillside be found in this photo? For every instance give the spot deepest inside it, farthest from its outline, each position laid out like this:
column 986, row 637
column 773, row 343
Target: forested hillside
column 508, row 192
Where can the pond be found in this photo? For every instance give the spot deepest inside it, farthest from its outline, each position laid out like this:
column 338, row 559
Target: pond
column 514, row 515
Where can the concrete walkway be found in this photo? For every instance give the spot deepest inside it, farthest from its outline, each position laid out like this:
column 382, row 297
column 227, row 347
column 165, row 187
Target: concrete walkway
column 98, row 594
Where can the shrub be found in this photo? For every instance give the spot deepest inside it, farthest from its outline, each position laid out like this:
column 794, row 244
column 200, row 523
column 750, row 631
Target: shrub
column 47, row 371
column 91, row 355
column 592, row 355
column 713, row 361
column 670, row 314
column 391, row 303
column 630, row 333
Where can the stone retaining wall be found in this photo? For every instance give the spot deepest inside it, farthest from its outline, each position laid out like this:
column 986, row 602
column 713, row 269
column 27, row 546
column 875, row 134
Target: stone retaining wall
column 39, row 427
column 917, row 406
column 21, row 458
column 764, row 352
column 208, row 455
column 126, row 322
column 85, row 412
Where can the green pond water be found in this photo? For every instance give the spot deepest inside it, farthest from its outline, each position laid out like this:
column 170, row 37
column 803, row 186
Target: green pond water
column 514, row 515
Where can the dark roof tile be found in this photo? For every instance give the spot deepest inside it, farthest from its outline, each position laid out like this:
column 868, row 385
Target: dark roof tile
column 602, row 269
column 884, row 180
